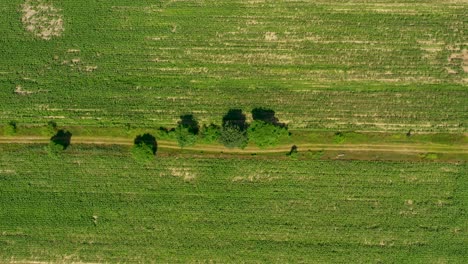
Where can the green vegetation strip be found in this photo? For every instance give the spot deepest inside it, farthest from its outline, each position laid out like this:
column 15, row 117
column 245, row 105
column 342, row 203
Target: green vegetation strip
column 96, row 204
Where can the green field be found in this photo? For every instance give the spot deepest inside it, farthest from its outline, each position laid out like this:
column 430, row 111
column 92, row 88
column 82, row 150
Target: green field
column 99, row 205
column 322, row 65
column 233, row 131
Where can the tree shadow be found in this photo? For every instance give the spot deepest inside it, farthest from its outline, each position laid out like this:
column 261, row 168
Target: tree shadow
column 235, row 117
column 62, row 138
column 189, row 121
column 147, row 139
column 267, row 116
column 293, row 150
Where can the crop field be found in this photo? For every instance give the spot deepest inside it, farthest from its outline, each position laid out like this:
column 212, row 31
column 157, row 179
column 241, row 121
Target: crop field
column 233, row 131
column 321, row 65
column 96, row 204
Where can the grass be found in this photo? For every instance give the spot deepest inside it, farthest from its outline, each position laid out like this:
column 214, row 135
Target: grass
column 331, row 65
column 91, row 206
column 350, row 78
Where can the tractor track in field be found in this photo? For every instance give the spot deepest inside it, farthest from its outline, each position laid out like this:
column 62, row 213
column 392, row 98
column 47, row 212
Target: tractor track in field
column 164, row 144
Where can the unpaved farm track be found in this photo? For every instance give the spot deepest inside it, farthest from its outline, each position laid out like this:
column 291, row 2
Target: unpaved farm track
column 163, row 144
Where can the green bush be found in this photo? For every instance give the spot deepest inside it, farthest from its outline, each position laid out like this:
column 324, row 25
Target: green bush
column 142, row 152
column 339, row 138
column 145, row 148
column 187, row 130
column 10, row 128
column 165, row 133
column 265, row 134
column 54, row 149
column 210, row 134
column 184, row 136
column 233, row 136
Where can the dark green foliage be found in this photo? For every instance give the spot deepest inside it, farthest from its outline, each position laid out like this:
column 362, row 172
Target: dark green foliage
column 235, row 117
column 165, row 133
column 266, row 115
column 54, row 149
column 10, row 128
column 145, row 147
column 234, row 129
column 62, row 138
column 339, row 138
column 187, row 130
column 189, row 122
column 149, row 140
column 233, row 137
column 265, row 134
column 142, row 152
column 210, row 134
column 293, row 153
column 184, row 136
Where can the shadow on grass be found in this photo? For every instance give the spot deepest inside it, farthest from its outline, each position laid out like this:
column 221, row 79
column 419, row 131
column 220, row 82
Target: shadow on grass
column 148, row 140
column 235, row 117
column 62, row 138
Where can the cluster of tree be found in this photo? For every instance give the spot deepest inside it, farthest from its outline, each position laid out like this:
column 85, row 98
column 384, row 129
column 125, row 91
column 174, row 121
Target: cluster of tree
column 235, row 132
column 265, row 130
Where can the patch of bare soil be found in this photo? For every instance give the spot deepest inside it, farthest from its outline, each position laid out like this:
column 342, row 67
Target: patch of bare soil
column 42, row 19
column 461, row 56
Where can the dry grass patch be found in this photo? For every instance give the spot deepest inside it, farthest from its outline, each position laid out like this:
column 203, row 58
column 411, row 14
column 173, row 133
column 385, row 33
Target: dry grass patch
column 460, row 56
column 42, row 19
column 271, row 36
column 185, row 173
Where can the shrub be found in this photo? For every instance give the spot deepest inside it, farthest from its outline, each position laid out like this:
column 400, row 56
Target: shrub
column 185, row 137
column 339, row 138
column 187, row 130
column 144, row 148
column 142, row 152
column 54, row 149
column 10, row 128
column 233, row 136
column 62, row 138
column 165, row 133
column 266, row 134
column 210, row 134
column 293, row 153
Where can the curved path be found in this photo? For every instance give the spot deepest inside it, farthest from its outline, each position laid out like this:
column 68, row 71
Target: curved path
column 164, row 144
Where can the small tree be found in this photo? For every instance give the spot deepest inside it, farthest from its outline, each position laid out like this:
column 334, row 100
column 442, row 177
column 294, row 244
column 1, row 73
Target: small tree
column 266, row 134
column 62, row 138
column 144, row 148
column 59, row 142
column 187, row 130
column 233, row 136
column 185, row 137
column 10, row 128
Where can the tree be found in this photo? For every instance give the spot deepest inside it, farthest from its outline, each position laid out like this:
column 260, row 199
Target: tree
column 187, row 130
column 59, row 142
column 10, row 128
column 265, row 134
column 185, row 137
column 233, row 136
column 62, row 138
column 144, row 148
